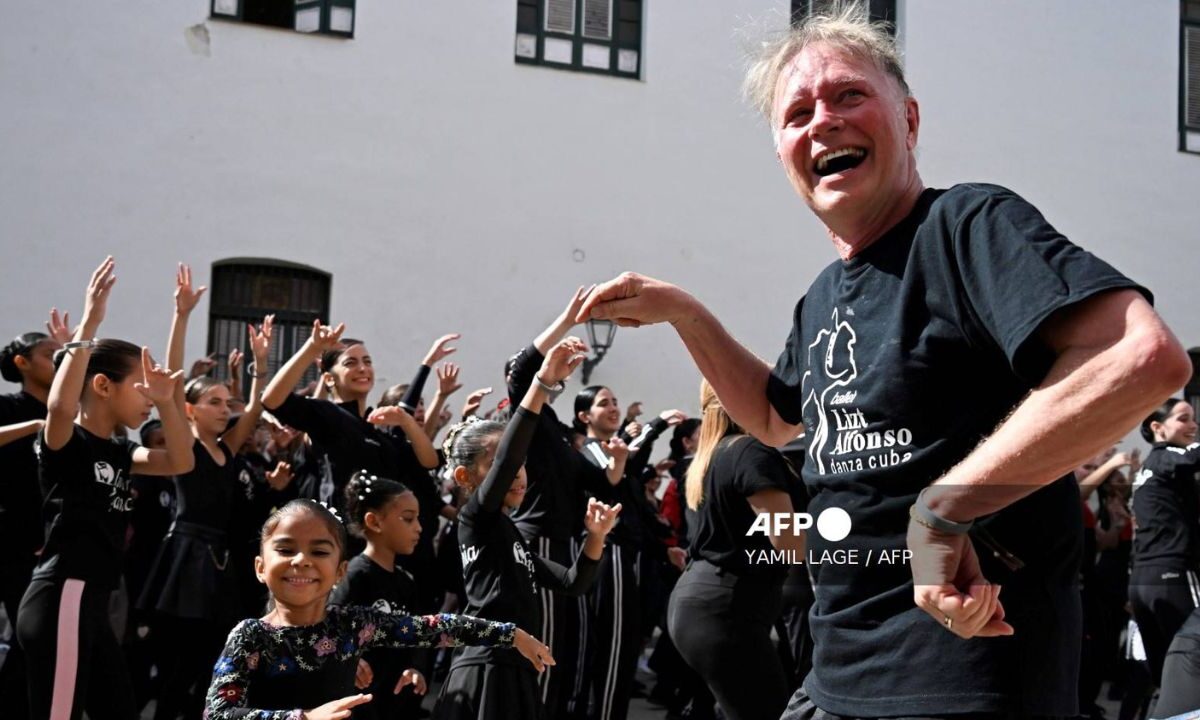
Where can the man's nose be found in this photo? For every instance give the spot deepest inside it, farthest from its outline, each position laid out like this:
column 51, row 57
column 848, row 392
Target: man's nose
column 825, row 119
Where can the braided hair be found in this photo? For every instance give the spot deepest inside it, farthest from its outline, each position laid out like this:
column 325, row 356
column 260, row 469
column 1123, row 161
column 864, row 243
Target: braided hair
column 368, row 493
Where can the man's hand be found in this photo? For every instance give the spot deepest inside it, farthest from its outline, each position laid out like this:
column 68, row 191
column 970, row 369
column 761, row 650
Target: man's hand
column 949, row 585
column 632, row 300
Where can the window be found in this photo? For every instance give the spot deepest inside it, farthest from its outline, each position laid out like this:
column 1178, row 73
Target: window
column 1189, row 76
column 327, row 17
column 596, row 36
column 879, row 10
column 246, row 289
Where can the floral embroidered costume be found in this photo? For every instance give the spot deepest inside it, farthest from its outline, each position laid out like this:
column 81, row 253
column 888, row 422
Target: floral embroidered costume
column 270, row 672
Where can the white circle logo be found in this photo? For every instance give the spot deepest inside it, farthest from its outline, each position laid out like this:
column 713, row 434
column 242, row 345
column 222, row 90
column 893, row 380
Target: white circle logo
column 833, row 524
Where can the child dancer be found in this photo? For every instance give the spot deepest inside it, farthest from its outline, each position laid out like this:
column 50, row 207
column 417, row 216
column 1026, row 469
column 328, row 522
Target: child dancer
column 300, row 660
column 192, row 589
column 74, row 660
column 386, row 514
column 502, row 574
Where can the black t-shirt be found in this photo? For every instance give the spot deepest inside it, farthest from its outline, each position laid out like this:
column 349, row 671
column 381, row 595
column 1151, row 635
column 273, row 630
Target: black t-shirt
column 559, row 479
column 501, row 574
column 368, row 585
column 1167, row 508
column 88, row 502
column 740, row 467
column 349, row 441
column 20, row 498
column 900, row 361
column 204, row 496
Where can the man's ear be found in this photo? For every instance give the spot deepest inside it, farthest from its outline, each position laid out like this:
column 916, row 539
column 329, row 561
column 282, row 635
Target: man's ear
column 912, row 116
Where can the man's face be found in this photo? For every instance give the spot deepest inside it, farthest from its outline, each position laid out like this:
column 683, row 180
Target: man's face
column 845, row 135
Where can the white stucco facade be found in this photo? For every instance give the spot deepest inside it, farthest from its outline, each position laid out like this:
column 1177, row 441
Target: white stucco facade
column 447, row 188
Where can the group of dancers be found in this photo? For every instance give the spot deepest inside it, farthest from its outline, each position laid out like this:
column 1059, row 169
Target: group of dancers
column 564, row 554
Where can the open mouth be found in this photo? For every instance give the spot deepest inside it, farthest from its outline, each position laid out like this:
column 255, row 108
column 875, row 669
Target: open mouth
column 840, row 160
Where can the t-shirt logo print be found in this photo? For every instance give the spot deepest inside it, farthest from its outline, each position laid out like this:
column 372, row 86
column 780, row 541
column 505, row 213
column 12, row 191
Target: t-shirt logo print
column 523, row 558
column 105, row 473
column 833, row 353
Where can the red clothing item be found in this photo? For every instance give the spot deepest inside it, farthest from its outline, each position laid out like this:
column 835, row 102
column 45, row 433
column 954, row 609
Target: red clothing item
column 671, row 508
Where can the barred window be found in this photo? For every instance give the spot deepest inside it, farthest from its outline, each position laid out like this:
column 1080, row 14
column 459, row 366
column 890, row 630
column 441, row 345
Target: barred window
column 1189, row 76
column 326, row 17
column 246, row 289
column 879, row 10
column 596, row 36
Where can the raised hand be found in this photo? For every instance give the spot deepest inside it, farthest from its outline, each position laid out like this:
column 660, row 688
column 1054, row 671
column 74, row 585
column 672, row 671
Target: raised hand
column 59, row 328
column 235, row 363
column 280, row 478
column 534, row 650
column 412, row 677
column 338, row 709
column 260, row 342
column 325, row 337
column 474, row 400
column 202, row 367
column 562, row 360
column 633, row 412
column 663, row 467
column 96, row 301
column 633, row 429
column 440, row 349
column 600, row 518
column 392, row 415
column 447, row 375
column 632, row 300
column 567, row 318
column 616, row 449
column 673, row 417
column 678, row 557
column 185, row 297
column 158, row 383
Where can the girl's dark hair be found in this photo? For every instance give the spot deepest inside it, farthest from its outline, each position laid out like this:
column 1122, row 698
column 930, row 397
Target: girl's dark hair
column 21, row 346
column 114, row 359
column 329, row 358
column 682, row 431
column 1161, row 413
column 583, row 403
column 367, row 493
column 197, row 386
column 467, row 441
column 393, row 395
column 314, row 508
column 152, row 425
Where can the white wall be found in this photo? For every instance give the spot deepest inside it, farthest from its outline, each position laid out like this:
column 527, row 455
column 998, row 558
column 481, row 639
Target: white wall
column 447, row 188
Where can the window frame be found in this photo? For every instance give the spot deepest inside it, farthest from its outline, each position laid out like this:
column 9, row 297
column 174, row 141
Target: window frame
column 530, row 22
column 292, row 326
column 1189, row 135
column 326, row 7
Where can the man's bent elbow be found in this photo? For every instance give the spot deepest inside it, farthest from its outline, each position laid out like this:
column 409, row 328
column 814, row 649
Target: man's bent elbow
column 1160, row 361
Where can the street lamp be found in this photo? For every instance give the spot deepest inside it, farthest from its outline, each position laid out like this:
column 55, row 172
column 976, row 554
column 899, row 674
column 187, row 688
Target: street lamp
column 600, row 339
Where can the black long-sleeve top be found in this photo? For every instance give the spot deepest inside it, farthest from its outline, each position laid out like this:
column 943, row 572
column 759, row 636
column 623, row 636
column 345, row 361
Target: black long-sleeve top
column 20, row 498
column 1167, row 508
column 637, row 525
column 502, row 575
column 560, row 480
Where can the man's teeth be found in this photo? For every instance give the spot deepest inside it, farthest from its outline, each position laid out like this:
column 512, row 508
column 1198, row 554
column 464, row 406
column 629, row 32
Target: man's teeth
column 823, row 161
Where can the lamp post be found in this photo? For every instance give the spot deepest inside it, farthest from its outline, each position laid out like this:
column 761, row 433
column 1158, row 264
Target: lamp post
column 600, row 339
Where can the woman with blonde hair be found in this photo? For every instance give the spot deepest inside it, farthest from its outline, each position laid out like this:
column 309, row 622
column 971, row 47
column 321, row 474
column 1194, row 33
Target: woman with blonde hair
column 722, row 609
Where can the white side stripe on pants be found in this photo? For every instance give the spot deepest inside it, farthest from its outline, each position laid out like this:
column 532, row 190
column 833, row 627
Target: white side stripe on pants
column 614, row 658
column 1194, row 586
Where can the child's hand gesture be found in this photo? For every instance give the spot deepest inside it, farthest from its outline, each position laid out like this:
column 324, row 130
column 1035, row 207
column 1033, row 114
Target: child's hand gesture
column 363, row 675
column 59, row 328
column 673, row 417
column 600, row 518
column 260, row 343
column 567, row 319
column 440, row 349
column 447, row 374
column 392, row 415
column 616, row 449
column 412, row 677
column 96, row 301
column 562, row 360
column 185, row 297
column 325, row 337
column 235, row 365
column 474, row 400
column 338, row 709
column 280, row 478
column 534, row 650
column 158, row 383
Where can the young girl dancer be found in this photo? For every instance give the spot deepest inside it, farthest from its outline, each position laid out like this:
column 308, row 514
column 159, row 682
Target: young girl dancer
column 502, row 574
column 385, row 513
column 299, row 661
column 192, row 589
column 73, row 657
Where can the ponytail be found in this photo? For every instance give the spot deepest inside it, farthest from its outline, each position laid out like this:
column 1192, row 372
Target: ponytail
column 21, row 346
column 715, row 424
column 367, row 493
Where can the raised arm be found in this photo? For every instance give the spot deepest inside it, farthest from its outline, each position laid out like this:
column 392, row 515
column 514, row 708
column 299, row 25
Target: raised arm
column 577, row 579
column 323, row 338
column 160, row 386
column 448, row 384
column 16, row 431
column 186, row 299
column 67, row 388
column 260, row 347
column 1096, row 478
column 396, row 416
column 437, row 352
column 737, row 375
